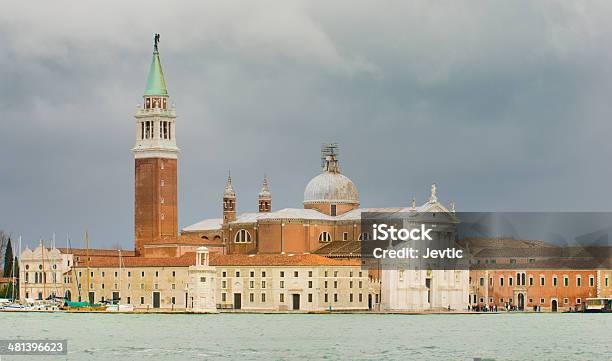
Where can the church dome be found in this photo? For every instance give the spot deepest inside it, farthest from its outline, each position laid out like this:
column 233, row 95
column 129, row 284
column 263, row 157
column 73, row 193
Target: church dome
column 331, row 186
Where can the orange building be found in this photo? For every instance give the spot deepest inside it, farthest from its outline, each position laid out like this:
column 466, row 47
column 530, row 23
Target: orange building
column 535, row 276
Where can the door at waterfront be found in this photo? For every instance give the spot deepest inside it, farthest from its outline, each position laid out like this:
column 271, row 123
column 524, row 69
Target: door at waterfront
column 554, row 305
column 92, row 298
column 237, row 301
column 296, row 301
column 156, row 300
column 521, row 302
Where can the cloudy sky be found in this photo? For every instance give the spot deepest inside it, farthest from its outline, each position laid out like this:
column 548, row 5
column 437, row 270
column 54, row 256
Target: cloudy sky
column 506, row 105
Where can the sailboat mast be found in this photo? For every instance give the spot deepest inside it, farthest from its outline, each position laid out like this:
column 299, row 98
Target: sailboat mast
column 44, row 271
column 87, row 258
column 120, row 279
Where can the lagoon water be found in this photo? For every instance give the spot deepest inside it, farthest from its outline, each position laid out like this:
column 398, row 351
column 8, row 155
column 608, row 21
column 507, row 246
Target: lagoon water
column 302, row 336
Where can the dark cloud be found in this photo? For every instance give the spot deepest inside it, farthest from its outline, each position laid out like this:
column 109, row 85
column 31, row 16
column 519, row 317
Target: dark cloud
column 505, row 106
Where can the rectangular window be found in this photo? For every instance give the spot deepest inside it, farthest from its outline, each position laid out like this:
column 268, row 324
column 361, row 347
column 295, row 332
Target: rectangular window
column 263, row 284
column 263, row 297
column 345, row 236
column 224, row 297
column 565, row 281
column 142, row 300
column 510, row 281
column 326, row 297
column 309, row 273
column 173, row 301
column 578, row 301
column 295, row 273
column 335, row 284
column 482, row 281
column 142, row 274
column 309, row 284
column 224, row 274
column 333, row 210
column 129, row 300
column 555, row 281
column 335, row 297
column 252, row 274
column 237, row 273
column 542, row 301
column 282, row 284
column 566, row 301
column 282, row 273
column 251, row 284
column 310, row 297
column 531, row 280
column 263, row 273
column 223, row 284
column 501, row 281
column 542, row 281
column 251, row 297
column 606, row 281
column 578, row 281
column 360, row 297
column 351, row 297
column 591, row 281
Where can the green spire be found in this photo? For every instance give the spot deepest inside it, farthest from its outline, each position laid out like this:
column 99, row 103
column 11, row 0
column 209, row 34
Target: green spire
column 156, row 84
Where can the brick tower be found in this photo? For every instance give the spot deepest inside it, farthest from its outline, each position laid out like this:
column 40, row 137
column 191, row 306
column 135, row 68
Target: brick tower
column 265, row 197
column 229, row 201
column 155, row 156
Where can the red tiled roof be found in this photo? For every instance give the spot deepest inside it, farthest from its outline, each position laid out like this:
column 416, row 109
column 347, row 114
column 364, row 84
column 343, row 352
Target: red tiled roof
column 188, row 259
column 192, row 241
column 96, row 252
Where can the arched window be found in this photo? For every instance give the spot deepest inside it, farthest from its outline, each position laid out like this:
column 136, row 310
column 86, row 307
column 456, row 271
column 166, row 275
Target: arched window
column 242, row 236
column 325, row 237
column 364, row 236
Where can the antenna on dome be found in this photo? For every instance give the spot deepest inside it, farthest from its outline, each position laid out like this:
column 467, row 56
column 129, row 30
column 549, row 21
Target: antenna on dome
column 329, row 152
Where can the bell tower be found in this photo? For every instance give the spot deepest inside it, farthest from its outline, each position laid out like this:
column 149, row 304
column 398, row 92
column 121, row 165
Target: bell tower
column 265, row 197
column 155, row 158
column 229, row 201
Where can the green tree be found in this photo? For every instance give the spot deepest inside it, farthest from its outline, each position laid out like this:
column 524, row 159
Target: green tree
column 8, row 260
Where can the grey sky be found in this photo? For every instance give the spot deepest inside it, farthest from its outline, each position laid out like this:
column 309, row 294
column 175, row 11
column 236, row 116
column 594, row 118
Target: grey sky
column 506, row 105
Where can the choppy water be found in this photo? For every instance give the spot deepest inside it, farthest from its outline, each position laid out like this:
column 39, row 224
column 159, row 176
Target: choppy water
column 300, row 336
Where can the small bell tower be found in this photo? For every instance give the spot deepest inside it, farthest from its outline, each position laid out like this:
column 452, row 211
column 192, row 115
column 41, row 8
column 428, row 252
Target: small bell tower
column 229, row 201
column 265, row 198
